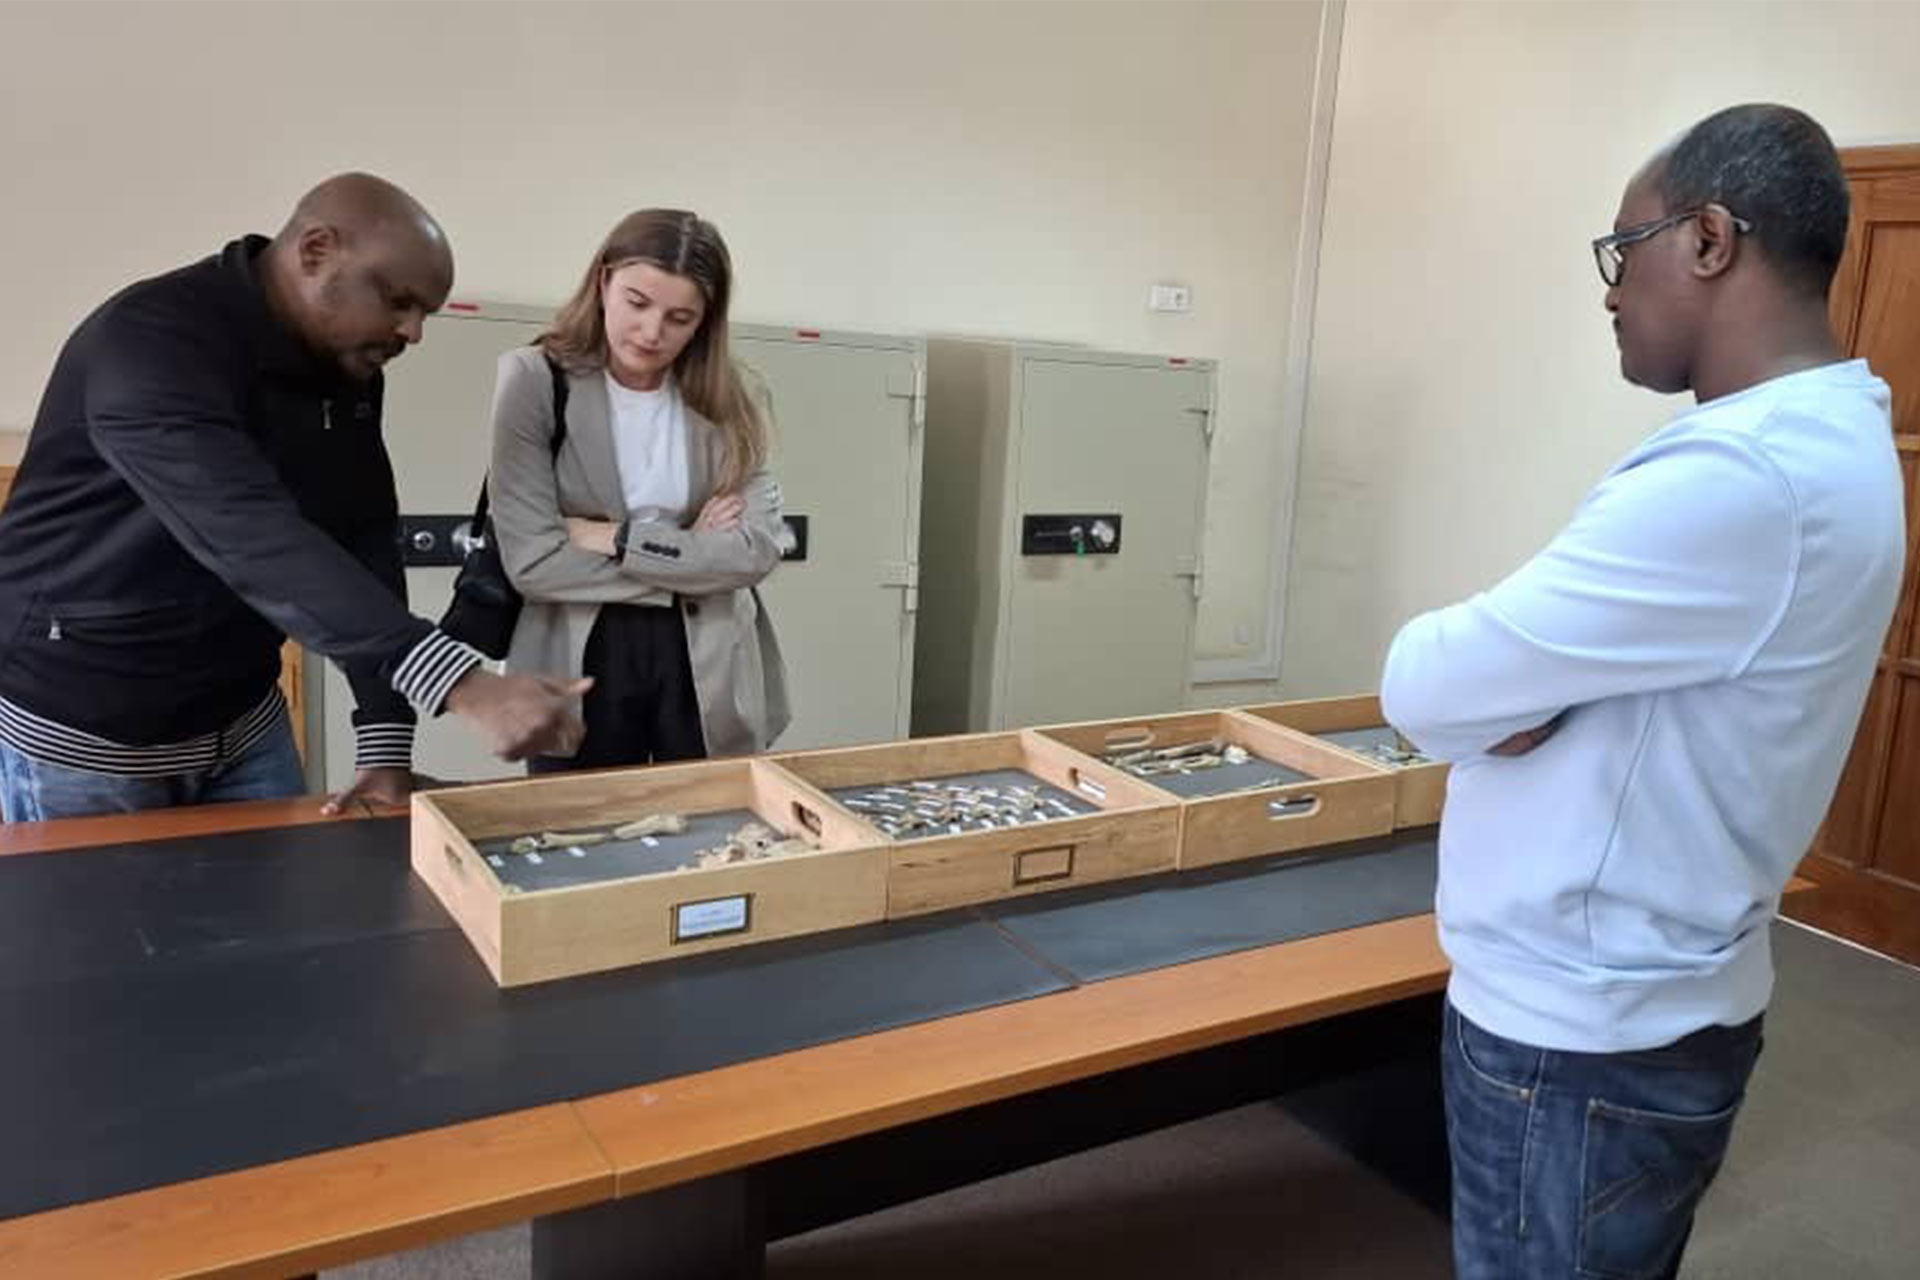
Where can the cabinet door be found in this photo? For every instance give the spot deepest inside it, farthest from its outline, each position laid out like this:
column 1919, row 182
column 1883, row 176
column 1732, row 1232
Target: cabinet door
column 1089, row 636
column 846, row 451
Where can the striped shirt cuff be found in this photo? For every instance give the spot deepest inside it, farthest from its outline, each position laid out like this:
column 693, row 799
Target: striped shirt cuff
column 383, row 746
column 429, row 672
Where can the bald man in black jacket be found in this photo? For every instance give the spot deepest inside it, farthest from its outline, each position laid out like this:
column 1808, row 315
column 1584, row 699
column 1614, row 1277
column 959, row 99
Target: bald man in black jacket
column 206, row 476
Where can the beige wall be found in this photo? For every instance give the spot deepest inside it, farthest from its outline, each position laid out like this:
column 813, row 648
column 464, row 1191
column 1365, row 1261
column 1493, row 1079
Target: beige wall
column 1464, row 391
column 1015, row 169
column 1020, row 169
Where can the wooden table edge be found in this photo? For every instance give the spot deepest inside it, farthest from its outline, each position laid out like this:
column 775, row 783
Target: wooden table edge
column 611, row 1163
column 339, row 1206
column 1020, row 1047
column 166, row 824
column 698, row 1125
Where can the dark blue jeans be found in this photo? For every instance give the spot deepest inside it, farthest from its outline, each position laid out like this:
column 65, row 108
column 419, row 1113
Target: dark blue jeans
column 1585, row 1165
column 32, row 790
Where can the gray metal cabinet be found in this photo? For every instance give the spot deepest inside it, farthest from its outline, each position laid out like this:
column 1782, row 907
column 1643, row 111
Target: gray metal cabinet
column 847, row 454
column 1060, row 541
column 848, row 413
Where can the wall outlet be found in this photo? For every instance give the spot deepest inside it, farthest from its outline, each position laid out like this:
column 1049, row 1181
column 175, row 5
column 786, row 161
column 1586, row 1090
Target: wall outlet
column 1169, row 297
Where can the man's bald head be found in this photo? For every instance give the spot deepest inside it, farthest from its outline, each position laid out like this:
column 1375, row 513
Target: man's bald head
column 358, row 206
column 356, row 270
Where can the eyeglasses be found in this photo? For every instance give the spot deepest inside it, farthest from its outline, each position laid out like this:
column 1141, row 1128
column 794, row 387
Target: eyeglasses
column 1606, row 250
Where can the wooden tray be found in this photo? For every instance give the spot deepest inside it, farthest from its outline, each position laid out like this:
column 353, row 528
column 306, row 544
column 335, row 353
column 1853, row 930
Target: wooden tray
column 1131, row 829
column 614, row 915
column 1421, row 789
column 1325, row 795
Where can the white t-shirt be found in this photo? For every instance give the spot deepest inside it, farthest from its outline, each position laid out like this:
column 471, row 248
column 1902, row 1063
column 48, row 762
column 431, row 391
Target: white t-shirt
column 650, row 445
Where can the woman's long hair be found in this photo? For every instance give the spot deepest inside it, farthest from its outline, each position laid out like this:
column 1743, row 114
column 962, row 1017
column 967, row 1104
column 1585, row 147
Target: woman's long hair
column 685, row 245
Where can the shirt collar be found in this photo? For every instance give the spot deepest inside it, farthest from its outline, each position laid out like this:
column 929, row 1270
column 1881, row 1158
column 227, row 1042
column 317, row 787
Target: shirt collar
column 277, row 351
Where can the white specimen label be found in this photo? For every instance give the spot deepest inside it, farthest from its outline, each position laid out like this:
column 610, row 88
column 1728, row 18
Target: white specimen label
column 704, row 919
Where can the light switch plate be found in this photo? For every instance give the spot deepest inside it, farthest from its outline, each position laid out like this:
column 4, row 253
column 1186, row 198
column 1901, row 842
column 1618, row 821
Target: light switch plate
column 1169, row 297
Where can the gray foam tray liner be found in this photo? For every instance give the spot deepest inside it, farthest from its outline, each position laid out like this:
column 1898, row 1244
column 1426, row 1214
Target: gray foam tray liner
column 615, row 860
column 981, row 778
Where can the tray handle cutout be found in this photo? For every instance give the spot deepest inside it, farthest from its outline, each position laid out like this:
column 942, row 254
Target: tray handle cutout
column 1087, row 785
column 807, row 818
column 1130, row 738
column 1038, row 866
column 1293, row 807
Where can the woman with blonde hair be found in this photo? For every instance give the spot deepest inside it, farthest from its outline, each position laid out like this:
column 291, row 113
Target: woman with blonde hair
column 632, row 505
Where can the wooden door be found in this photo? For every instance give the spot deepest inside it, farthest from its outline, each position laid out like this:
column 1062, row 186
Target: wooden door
column 293, row 687
column 1867, row 856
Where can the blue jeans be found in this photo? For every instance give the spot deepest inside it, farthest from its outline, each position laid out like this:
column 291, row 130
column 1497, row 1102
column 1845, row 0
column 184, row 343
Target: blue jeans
column 1585, row 1165
column 32, row 790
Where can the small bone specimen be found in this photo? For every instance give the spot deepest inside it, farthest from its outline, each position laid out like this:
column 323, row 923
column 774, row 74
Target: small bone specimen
column 755, row 842
column 1400, row 753
column 557, row 840
column 950, row 807
column 1187, row 757
column 654, row 824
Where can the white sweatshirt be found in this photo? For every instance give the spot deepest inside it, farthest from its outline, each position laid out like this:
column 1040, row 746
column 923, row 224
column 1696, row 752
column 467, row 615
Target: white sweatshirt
column 1709, row 622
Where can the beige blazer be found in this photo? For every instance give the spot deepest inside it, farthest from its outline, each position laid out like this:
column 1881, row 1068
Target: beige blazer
column 737, row 669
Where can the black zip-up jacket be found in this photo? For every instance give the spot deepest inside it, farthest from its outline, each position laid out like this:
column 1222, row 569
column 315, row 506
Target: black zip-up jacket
column 198, row 485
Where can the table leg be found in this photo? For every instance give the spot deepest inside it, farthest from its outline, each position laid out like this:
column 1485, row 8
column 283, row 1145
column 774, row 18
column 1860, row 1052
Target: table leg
column 713, row 1229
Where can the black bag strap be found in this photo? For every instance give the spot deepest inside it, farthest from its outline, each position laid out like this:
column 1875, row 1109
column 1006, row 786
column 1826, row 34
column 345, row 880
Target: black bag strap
column 559, row 376
column 559, row 404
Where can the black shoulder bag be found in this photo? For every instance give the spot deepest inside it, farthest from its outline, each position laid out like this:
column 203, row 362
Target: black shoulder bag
column 486, row 607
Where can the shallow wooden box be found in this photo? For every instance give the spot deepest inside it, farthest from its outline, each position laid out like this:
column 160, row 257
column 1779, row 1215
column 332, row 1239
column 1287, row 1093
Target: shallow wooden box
column 1421, row 789
column 535, row 935
column 1338, row 798
column 1131, row 830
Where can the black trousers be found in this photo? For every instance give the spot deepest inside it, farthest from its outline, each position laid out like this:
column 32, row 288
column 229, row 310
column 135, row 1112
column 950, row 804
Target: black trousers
column 642, row 708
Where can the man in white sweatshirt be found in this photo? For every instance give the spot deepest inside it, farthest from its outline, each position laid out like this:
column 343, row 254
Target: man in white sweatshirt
column 1648, row 720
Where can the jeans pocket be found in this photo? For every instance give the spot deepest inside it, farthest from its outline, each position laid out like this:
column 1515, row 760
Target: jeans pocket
column 1644, row 1174
column 1502, row 1064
